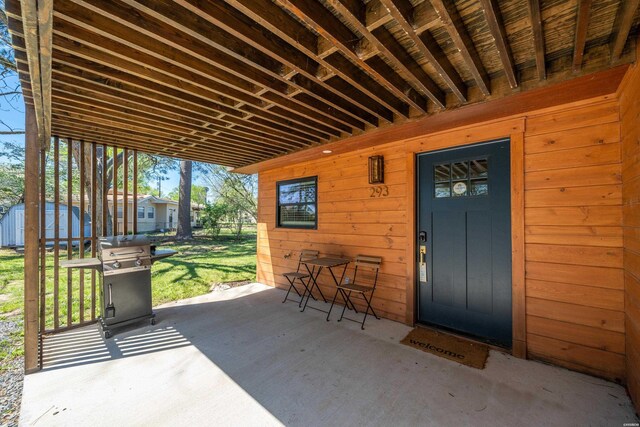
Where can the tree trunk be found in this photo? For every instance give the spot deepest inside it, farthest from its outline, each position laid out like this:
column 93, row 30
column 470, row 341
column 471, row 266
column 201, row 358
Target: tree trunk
column 184, row 201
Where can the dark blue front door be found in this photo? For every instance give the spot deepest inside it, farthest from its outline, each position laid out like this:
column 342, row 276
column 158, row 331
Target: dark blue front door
column 464, row 220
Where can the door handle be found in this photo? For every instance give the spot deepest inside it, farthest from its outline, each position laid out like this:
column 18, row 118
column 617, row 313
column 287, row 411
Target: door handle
column 423, row 252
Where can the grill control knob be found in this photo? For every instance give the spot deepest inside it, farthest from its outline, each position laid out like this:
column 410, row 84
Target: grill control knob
column 138, row 262
column 116, row 264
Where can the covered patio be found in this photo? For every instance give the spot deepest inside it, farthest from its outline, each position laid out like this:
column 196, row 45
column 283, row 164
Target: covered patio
column 241, row 357
column 486, row 151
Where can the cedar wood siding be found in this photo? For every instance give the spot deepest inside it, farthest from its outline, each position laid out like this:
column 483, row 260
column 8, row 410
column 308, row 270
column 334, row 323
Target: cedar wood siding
column 630, row 131
column 572, row 228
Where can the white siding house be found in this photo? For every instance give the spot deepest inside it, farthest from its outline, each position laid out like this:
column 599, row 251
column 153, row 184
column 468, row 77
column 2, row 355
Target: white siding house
column 154, row 214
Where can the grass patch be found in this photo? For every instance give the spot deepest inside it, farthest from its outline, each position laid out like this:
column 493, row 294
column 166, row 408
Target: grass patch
column 199, row 264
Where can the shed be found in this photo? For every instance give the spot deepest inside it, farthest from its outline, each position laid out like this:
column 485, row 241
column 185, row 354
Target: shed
column 12, row 224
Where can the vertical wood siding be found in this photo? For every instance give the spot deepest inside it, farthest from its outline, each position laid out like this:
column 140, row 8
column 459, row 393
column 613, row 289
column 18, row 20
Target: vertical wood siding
column 630, row 130
column 575, row 299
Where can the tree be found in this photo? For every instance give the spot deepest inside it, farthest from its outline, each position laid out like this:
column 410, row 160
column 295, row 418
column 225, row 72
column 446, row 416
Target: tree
column 237, row 192
column 213, row 217
column 10, row 92
column 184, row 201
column 198, row 194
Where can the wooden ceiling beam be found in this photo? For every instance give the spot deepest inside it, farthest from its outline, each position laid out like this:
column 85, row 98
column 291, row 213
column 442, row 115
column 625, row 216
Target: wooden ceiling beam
column 496, row 26
column 582, row 25
column 622, row 26
column 89, row 99
column 377, row 14
column 98, row 109
column 330, row 27
column 111, row 22
column 402, row 10
column 35, row 26
column 74, row 86
column 222, row 147
column 538, row 37
column 82, row 68
column 218, row 142
column 97, row 137
column 385, row 44
column 365, row 91
column 151, row 63
column 454, row 26
column 78, row 90
column 193, row 135
column 424, row 17
column 227, row 20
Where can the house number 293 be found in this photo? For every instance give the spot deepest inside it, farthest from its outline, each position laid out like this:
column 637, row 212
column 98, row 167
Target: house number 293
column 379, row 191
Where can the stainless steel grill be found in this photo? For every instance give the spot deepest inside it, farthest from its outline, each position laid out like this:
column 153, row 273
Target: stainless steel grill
column 124, row 254
column 125, row 283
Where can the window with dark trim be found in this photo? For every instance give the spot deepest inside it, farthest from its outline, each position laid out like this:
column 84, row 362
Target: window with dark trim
column 297, row 203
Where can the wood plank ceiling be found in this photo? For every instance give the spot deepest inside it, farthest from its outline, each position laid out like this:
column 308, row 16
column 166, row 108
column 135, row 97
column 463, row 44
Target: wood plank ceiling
column 237, row 82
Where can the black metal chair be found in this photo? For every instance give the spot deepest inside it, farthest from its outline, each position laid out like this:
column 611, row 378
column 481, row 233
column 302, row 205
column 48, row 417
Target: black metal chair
column 305, row 255
column 371, row 264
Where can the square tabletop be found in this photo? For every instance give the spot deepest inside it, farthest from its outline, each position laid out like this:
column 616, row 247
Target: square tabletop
column 327, row 262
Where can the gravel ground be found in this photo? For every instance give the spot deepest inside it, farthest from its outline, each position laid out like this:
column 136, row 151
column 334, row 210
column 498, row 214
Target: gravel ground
column 11, row 375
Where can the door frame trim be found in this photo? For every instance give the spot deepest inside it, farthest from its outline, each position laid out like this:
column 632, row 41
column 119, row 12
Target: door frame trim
column 514, row 130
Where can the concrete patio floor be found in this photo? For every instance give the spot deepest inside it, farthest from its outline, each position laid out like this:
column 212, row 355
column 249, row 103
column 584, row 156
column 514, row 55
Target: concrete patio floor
column 240, row 357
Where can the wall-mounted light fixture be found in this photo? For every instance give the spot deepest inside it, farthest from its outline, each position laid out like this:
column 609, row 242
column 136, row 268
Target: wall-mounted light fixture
column 376, row 170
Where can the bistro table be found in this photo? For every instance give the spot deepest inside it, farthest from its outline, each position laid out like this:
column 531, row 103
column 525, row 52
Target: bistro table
column 323, row 262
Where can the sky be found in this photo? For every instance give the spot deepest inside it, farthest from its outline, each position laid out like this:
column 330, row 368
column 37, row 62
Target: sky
column 13, row 115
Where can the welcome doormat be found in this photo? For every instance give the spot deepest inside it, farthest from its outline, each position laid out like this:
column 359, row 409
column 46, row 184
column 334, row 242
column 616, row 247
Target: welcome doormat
column 448, row 346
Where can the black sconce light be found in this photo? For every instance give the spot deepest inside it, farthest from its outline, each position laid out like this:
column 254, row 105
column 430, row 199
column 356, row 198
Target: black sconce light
column 376, row 170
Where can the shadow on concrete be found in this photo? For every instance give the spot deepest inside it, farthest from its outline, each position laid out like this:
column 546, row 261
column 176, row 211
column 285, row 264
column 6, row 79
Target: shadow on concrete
column 303, row 370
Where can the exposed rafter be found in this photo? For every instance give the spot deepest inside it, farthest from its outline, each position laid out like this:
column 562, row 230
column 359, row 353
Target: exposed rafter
column 452, row 22
column 238, row 82
column 331, row 28
column 582, row 24
column 622, row 26
column 499, row 33
column 385, row 44
column 538, row 37
column 402, row 10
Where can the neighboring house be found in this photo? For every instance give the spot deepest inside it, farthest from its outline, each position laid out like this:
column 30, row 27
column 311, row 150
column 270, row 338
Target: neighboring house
column 12, row 224
column 154, row 213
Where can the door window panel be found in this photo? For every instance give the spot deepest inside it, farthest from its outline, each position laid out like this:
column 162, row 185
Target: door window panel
column 461, row 179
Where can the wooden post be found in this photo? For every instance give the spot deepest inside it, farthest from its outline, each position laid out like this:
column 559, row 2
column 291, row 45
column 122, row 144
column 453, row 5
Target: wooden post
column 135, row 191
column 104, row 197
column 82, row 168
column 114, row 191
column 69, row 229
column 31, row 231
column 43, row 246
column 125, row 192
column 94, row 227
column 56, row 231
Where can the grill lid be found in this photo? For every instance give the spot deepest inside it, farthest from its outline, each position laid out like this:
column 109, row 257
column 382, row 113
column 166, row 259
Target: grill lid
column 123, row 241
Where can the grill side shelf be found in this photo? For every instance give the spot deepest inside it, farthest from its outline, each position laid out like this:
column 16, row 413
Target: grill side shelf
column 82, row 263
column 161, row 254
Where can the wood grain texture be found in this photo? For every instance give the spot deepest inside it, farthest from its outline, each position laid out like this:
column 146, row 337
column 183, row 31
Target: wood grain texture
column 629, row 112
column 569, row 210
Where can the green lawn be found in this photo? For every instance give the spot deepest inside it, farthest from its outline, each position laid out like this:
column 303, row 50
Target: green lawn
column 200, row 263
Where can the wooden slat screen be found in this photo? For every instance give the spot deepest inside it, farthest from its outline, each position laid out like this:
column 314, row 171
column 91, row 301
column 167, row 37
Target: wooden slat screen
column 83, row 188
